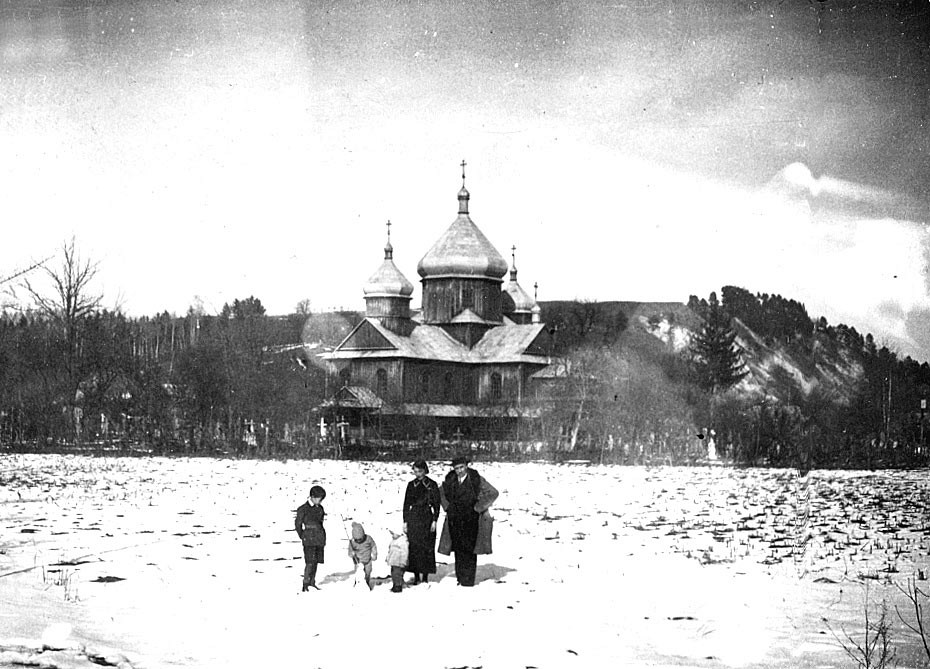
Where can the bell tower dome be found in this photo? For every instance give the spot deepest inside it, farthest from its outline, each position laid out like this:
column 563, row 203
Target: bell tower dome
column 388, row 292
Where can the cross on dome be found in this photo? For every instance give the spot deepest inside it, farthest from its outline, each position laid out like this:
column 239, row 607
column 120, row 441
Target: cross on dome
column 463, row 194
column 388, row 249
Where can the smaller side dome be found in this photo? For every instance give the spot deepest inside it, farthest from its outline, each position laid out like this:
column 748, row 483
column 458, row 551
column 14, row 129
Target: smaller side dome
column 514, row 299
column 388, row 280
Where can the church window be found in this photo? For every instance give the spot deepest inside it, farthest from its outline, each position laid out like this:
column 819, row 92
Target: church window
column 496, row 386
column 468, row 297
column 381, row 382
column 345, row 376
column 424, row 386
column 448, row 387
column 469, row 386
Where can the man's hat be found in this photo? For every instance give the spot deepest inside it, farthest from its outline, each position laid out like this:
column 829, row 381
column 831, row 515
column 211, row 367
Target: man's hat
column 459, row 460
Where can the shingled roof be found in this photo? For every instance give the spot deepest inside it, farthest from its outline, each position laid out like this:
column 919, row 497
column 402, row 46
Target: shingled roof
column 355, row 396
column 501, row 344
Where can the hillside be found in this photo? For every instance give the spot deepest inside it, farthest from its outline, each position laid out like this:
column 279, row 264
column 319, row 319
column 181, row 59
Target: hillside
column 812, row 392
column 775, row 371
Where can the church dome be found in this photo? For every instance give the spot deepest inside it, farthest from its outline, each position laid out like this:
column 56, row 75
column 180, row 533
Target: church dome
column 515, row 299
column 463, row 250
column 388, row 280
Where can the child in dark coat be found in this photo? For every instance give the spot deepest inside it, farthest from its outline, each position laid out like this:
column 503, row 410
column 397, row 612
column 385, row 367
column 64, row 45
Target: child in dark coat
column 309, row 526
column 363, row 550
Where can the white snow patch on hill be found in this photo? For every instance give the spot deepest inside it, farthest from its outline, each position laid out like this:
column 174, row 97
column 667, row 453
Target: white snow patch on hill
column 674, row 336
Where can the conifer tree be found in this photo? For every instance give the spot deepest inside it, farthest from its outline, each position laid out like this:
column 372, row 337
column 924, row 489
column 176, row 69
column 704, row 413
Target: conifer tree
column 717, row 359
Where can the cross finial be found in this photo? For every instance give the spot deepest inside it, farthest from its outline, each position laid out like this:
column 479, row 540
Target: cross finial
column 388, row 249
column 463, row 172
column 535, row 290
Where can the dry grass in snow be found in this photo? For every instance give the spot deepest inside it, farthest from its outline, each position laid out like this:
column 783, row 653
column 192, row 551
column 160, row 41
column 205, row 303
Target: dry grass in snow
column 162, row 562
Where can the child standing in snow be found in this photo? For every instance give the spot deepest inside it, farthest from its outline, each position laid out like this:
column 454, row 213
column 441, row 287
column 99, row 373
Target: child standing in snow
column 397, row 559
column 309, row 526
column 362, row 550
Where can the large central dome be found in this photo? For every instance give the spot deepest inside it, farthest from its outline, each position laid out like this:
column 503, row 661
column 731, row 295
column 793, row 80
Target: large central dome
column 462, row 251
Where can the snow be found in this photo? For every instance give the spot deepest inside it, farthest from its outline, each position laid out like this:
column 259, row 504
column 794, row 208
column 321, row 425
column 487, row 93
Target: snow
column 166, row 562
column 675, row 336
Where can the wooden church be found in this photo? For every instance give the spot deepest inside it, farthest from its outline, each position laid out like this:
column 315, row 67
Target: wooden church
column 468, row 365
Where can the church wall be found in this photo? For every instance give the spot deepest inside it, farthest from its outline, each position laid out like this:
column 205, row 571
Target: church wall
column 468, row 334
column 385, row 306
column 364, row 372
column 448, row 383
column 510, row 387
column 444, row 299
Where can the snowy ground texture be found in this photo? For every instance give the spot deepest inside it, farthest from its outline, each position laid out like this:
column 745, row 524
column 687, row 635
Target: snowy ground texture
column 157, row 562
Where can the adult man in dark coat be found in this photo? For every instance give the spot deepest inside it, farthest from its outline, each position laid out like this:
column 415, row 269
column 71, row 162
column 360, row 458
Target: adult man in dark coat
column 466, row 497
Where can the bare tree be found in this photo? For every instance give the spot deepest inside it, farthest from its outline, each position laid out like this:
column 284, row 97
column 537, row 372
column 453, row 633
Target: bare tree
column 304, row 307
column 71, row 298
column 921, row 626
column 875, row 649
column 67, row 302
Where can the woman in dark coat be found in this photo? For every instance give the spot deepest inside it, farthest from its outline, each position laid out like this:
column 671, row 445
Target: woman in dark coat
column 421, row 512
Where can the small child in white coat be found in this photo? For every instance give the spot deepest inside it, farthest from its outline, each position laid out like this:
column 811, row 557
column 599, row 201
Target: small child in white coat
column 398, row 551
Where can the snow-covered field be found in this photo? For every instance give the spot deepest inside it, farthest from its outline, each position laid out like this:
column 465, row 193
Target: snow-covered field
column 158, row 562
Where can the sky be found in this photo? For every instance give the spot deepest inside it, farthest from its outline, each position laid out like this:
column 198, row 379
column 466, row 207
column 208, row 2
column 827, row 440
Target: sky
column 644, row 151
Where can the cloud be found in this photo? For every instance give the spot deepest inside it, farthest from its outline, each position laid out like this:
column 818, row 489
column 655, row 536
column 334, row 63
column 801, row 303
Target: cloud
column 891, row 310
column 842, row 196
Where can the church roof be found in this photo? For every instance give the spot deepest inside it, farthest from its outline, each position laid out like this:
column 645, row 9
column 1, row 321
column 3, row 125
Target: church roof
column 388, row 280
column 515, row 298
column 462, row 250
column 469, row 316
column 355, row 396
column 500, row 344
column 461, row 411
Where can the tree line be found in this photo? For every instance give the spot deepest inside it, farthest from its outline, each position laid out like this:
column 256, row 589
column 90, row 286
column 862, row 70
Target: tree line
column 241, row 381
column 72, row 371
